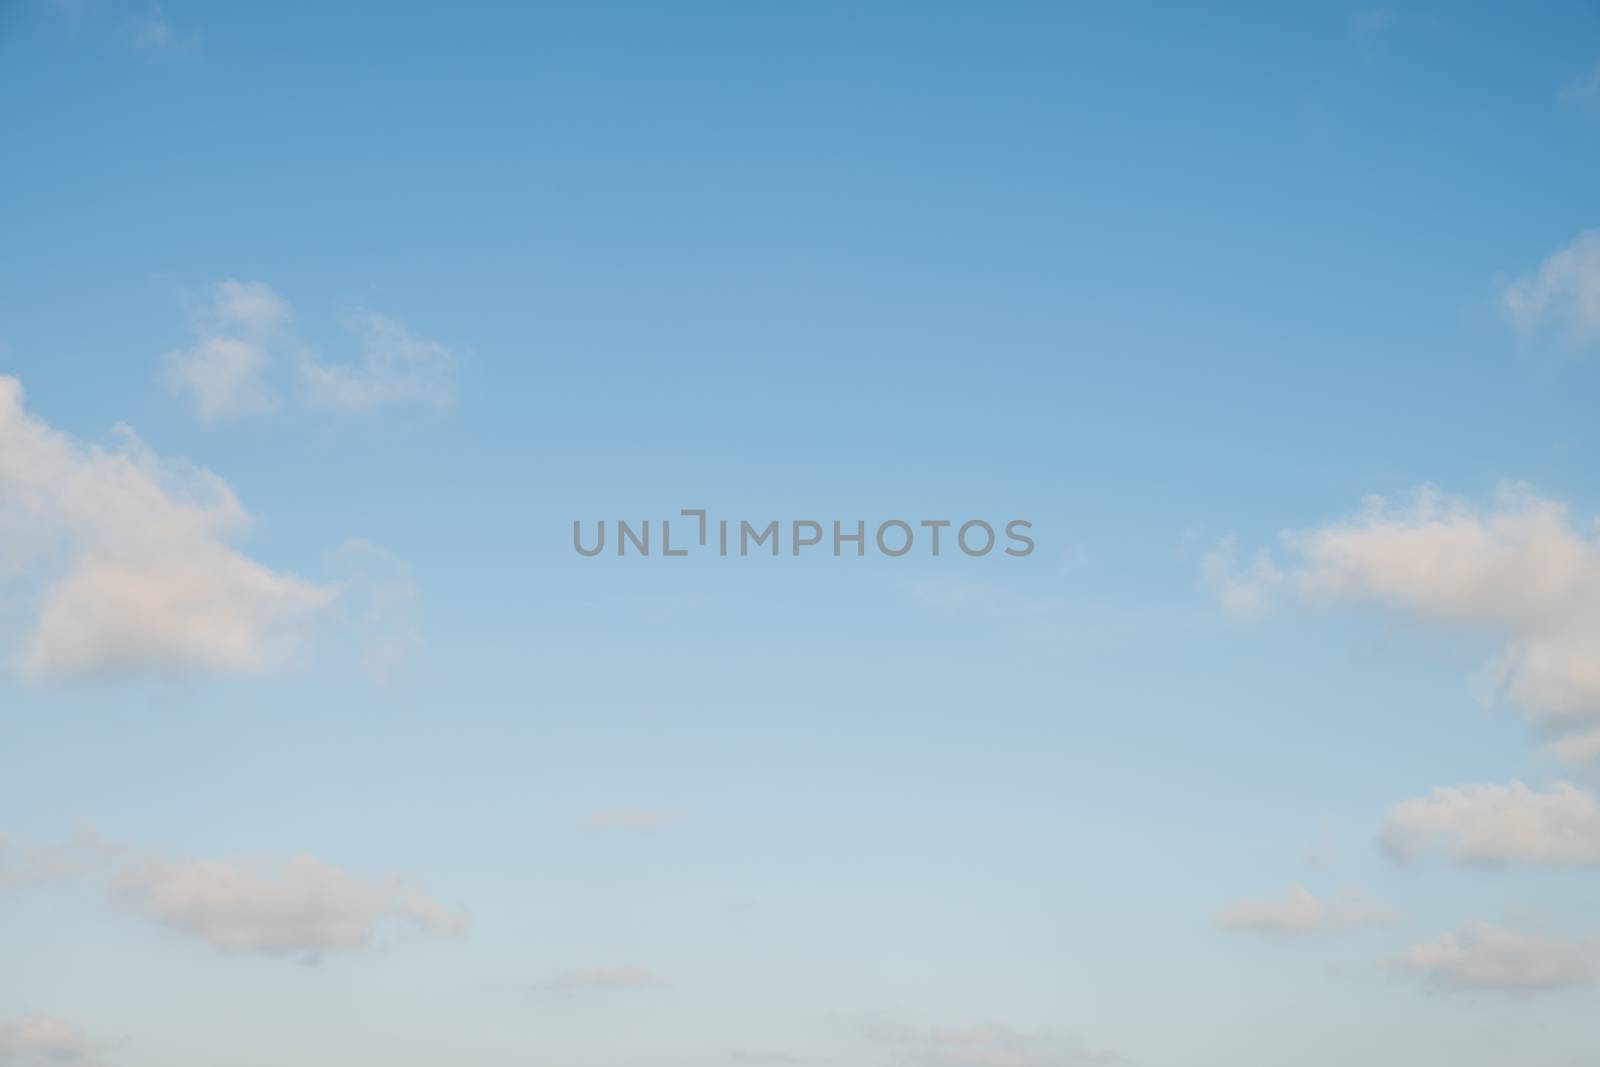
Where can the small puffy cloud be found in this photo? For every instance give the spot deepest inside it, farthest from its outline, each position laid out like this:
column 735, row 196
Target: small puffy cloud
column 134, row 558
column 396, row 368
column 986, row 1044
column 1563, row 294
column 1299, row 911
column 599, row 979
column 243, row 335
column 1520, row 570
column 1495, row 824
column 222, row 375
column 38, row 1041
column 302, row 906
column 240, row 330
column 1484, row 957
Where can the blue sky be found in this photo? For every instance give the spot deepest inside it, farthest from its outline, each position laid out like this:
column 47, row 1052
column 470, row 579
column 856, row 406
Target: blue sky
column 319, row 326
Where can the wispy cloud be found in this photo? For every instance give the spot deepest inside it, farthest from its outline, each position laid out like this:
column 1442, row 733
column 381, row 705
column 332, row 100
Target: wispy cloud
column 1562, row 296
column 1371, row 22
column 71, row 10
column 244, row 337
column 1584, row 90
column 986, row 1044
column 1299, row 911
column 1578, row 749
column 238, row 330
column 396, row 368
column 298, row 906
column 1493, row 958
column 154, row 33
column 24, row 864
column 765, row 1058
column 599, row 979
column 377, row 586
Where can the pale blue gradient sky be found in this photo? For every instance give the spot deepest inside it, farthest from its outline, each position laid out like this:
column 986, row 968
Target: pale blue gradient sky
column 1146, row 277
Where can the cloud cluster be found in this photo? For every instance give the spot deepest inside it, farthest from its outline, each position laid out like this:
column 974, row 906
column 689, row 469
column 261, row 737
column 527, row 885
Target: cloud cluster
column 1484, row 957
column 986, row 1045
column 135, row 556
column 1564, row 293
column 1519, row 570
column 37, row 1041
column 302, row 906
column 244, row 331
column 1299, row 911
column 1498, row 824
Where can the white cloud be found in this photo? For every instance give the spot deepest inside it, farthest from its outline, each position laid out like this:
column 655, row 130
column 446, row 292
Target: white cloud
column 222, row 375
column 37, row 1041
column 242, row 334
column 396, row 368
column 986, row 1045
column 1299, row 911
column 1520, row 571
column 1498, row 824
column 1484, row 957
column 592, row 979
column 301, row 906
column 134, row 557
column 1563, row 294
column 239, row 332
